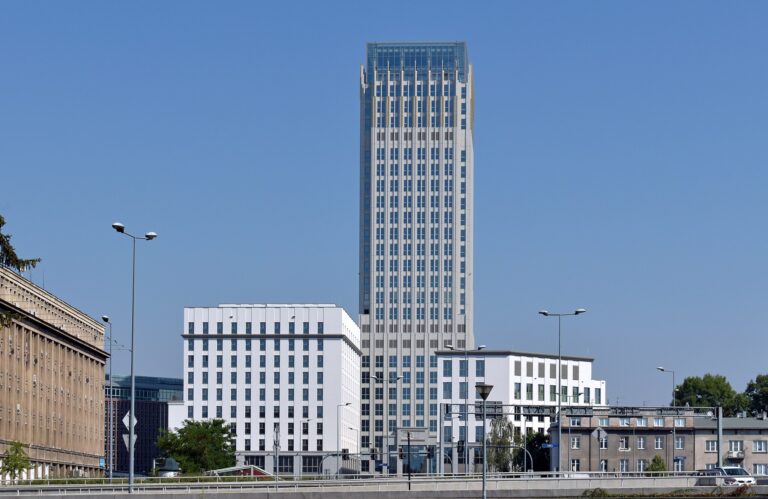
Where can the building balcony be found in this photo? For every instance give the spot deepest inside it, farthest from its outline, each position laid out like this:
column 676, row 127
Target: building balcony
column 735, row 454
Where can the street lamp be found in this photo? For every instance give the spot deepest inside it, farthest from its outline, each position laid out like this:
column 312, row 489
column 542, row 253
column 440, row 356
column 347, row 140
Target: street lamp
column 105, row 318
column 546, row 313
column 131, row 418
column 466, row 396
column 484, row 390
column 338, row 436
column 674, row 404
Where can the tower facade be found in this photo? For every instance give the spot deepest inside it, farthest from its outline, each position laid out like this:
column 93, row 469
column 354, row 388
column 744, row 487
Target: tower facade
column 416, row 252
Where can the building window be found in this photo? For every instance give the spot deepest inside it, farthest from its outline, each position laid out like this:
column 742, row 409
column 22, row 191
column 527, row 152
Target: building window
column 736, row 445
column 760, row 469
column 640, row 443
column 623, row 465
column 603, row 421
column 623, row 443
column 641, row 422
column 642, row 464
column 658, row 443
column 679, row 422
column 604, row 443
column 710, row 446
column 658, row 422
column 575, row 465
column 623, row 421
column 575, row 442
column 679, row 443
column 760, row 446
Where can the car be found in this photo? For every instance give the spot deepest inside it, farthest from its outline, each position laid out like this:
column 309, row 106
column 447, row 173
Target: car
column 734, row 475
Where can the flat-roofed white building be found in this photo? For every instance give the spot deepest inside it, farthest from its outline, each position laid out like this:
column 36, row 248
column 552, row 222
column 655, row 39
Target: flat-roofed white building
column 278, row 373
column 519, row 379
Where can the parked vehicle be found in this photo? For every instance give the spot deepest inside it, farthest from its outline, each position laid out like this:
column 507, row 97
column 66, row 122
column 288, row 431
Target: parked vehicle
column 726, row 475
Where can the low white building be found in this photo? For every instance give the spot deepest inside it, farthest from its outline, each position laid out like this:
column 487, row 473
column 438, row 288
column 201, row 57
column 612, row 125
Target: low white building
column 286, row 374
column 522, row 383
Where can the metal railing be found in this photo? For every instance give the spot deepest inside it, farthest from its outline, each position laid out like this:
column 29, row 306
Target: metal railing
column 426, row 482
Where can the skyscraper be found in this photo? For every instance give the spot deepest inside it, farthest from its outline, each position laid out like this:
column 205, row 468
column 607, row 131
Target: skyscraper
column 416, row 177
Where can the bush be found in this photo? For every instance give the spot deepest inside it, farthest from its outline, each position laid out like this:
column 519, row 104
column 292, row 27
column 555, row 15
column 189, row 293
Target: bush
column 598, row 492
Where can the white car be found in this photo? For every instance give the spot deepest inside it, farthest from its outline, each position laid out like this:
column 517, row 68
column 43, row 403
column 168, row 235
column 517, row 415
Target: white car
column 735, row 475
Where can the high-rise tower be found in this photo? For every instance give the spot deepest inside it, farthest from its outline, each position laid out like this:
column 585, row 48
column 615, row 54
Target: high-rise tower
column 416, row 252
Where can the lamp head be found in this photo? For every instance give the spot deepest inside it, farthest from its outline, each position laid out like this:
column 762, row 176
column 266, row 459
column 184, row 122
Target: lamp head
column 150, row 235
column 544, row 313
column 399, row 378
column 450, row 347
column 660, row 369
column 118, row 227
column 579, row 311
column 481, row 347
column 105, row 318
column 348, row 403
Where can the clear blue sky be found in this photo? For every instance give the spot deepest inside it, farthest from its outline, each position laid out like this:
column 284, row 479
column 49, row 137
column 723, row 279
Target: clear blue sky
column 621, row 154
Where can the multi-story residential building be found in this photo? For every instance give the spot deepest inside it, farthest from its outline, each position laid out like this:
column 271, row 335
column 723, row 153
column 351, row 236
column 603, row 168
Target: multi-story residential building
column 626, row 439
column 524, row 386
column 51, row 381
column 744, row 443
column 279, row 374
column 152, row 397
column 416, row 252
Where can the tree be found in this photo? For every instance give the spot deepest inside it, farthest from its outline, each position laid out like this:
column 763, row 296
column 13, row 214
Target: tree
column 539, row 454
column 500, row 440
column 757, row 393
column 15, row 460
column 199, row 445
column 9, row 259
column 657, row 464
column 711, row 390
column 8, row 256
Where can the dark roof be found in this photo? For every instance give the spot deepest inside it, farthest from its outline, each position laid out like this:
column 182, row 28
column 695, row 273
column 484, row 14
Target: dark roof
column 505, row 353
column 733, row 423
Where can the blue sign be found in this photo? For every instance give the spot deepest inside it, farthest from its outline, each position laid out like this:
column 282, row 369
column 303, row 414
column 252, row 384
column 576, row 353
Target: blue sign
column 102, row 463
column 548, row 446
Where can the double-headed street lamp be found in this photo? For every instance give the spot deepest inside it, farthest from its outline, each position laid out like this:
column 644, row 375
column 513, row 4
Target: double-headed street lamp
column 466, row 397
column 131, row 430
column 546, row 313
column 484, row 390
column 674, row 404
column 111, row 423
column 338, row 436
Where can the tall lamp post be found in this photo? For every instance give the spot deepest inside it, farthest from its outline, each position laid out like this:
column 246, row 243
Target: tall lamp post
column 131, row 430
column 546, row 313
column 110, row 406
column 466, row 397
column 674, row 404
column 338, row 436
column 484, row 390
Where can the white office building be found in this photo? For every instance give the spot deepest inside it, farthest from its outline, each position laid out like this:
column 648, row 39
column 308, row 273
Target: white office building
column 286, row 378
column 522, row 383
